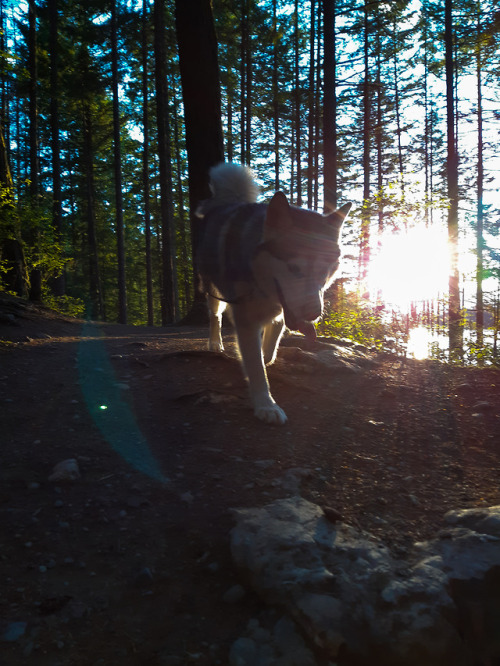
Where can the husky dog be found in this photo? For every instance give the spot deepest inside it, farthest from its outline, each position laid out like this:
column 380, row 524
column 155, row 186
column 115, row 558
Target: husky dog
column 270, row 263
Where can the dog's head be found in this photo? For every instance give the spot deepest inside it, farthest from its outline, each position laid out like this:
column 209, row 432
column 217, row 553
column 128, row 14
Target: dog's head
column 298, row 258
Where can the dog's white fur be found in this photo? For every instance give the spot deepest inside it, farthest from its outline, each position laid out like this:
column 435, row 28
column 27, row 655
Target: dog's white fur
column 259, row 326
column 231, row 183
column 258, row 307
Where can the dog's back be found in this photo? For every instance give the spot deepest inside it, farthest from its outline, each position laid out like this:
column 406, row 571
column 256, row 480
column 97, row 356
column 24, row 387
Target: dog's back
column 231, row 230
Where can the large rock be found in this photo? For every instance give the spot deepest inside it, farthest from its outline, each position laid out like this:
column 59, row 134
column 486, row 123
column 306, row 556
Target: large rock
column 356, row 602
column 280, row 646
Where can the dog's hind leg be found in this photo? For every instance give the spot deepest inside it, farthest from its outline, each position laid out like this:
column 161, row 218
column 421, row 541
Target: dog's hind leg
column 215, row 309
column 271, row 339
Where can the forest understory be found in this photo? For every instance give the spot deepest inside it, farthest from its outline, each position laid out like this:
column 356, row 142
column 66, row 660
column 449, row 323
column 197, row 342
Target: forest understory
column 129, row 562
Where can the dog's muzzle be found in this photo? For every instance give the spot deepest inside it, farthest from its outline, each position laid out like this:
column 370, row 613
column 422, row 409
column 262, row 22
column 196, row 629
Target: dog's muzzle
column 291, row 321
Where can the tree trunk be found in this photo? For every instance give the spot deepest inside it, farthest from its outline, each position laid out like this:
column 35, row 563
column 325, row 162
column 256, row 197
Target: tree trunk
column 378, row 139
column 276, row 109
column 35, row 274
column 229, row 116
column 120, row 241
column 145, row 164
column 244, row 83
column 33, row 102
column 329, row 107
column 318, row 129
column 199, row 69
column 97, row 309
column 4, row 81
column 184, row 248
column 298, row 106
column 166, row 201
column 480, row 189
column 455, row 328
column 427, row 119
column 248, row 94
column 398, row 114
column 311, row 103
column 364, row 255
column 57, row 283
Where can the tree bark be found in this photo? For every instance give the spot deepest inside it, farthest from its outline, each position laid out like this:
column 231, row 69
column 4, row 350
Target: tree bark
column 276, row 110
column 33, row 101
column 378, row 138
column 329, row 107
column 455, row 332
column 120, row 240
column 364, row 251
column 3, row 81
column 298, row 107
column 35, row 274
column 480, row 191
column 397, row 109
column 245, row 85
column 183, row 246
column 199, row 69
column 57, row 283
column 97, row 308
column 311, row 104
column 427, row 118
column 145, row 165
column 166, row 202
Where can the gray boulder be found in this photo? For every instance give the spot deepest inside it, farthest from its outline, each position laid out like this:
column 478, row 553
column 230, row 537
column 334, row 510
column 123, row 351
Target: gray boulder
column 355, row 601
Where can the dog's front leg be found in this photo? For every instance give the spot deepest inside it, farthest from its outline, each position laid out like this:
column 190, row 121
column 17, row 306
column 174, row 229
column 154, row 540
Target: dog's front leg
column 215, row 309
column 250, row 344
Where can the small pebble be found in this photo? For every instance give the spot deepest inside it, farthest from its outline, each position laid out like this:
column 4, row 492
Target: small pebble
column 234, row 594
column 332, row 515
column 14, row 631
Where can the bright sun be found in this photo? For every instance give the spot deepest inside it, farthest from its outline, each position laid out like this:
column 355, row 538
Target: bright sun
column 410, row 267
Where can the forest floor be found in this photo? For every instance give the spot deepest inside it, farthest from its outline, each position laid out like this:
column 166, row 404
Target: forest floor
column 130, row 562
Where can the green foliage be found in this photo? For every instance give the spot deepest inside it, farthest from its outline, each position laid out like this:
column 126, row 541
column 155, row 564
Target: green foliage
column 353, row 319
column 9, row 220
column 404, row 208
column 42, row 248
column 473, row 353
column 437, row 353
column 13, row 276
column 67, row 305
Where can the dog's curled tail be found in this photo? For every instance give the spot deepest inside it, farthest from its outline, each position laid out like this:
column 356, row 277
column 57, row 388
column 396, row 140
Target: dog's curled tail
column 230, row 184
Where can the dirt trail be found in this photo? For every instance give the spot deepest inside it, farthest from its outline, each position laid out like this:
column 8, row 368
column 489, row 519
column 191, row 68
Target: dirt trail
column 130, row 562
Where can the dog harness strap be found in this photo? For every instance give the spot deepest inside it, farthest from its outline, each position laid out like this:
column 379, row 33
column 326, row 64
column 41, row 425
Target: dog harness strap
column 226, row 300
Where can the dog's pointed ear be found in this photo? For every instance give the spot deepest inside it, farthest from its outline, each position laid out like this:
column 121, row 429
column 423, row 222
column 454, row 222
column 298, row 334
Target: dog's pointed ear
column 338, row 216
column 277, row 215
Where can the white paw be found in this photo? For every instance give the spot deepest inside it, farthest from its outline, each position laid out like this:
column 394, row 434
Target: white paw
column 215, row 346
column 271, row 413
